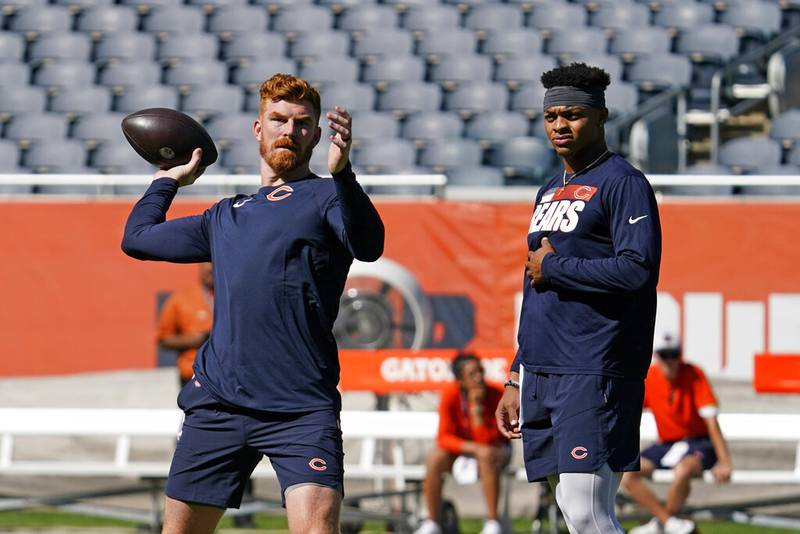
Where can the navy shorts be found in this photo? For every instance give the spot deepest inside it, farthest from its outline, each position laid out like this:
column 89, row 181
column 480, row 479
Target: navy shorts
column 577, row 423
column 220, row 446
column 667, row 455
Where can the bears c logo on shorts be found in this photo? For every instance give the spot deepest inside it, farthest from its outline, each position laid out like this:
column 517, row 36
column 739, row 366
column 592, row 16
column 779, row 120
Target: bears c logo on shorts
column 317, row 464
column 579, row 453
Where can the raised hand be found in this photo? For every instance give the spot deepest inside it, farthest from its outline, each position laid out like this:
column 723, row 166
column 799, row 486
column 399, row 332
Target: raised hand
column 341, row 123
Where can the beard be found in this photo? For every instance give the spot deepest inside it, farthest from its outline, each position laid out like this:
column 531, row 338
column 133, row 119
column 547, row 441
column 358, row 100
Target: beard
column 282, row 161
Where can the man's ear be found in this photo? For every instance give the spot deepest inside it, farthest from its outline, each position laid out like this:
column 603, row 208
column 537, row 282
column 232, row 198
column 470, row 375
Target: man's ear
column 257, row 130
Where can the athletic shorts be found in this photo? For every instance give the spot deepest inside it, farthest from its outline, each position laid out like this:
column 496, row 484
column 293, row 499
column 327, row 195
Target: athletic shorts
column 667, row 455
column 577, row 423
column 220, row 446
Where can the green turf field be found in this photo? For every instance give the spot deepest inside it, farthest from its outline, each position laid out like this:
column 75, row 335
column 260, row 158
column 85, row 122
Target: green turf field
column 49, row 519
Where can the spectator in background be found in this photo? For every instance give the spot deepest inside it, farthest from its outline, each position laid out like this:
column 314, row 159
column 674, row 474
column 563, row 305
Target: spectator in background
column 466, row 428
column 185, row 320
column 685, row 410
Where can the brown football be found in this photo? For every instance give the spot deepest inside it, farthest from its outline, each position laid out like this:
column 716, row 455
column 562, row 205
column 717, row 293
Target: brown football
column 166, row 137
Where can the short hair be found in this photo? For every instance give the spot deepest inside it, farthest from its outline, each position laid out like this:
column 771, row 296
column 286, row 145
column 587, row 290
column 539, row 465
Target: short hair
column 288, row 87
column 460, row 361
column 576, row 75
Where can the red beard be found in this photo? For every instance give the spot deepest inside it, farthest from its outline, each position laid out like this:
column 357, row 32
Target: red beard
column 282, row 161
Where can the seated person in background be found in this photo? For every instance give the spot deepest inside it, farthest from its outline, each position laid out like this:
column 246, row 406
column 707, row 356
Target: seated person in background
column 685, row 411
column 467, row 427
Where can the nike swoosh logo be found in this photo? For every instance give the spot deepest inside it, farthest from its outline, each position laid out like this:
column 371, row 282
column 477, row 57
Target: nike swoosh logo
column 631, row 220
column 241, row 203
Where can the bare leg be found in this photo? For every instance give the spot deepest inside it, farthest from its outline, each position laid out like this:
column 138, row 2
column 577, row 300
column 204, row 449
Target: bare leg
column 639, row 492
column 687, row 468
column 489, row 471
column 189, row 518
column 438, row 463
column 313, row 509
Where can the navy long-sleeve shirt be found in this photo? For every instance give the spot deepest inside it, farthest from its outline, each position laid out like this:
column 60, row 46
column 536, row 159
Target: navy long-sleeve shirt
column 280, row 260
column 594, row 310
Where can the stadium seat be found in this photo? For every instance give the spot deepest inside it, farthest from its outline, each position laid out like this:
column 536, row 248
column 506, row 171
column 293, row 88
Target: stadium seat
column 611, row 64
column 60, row 46
column 145, row 6
column 174, row 19
column 660, row 71
column 351, row 96
column 385, row 156
column 12, row 46
column 576, row 41
column 29, row 128
column 252, row 74
column 96, row 128
column 319, row 158
column 14, row 74
column 383, row 42
column 476, row 97
column 683, row 15
column 331, row 70
column 15, row 100
column 520, row 70
column 425, row 18
column 123, row 74
column 621, row 98
column 496, row 126
column 785, row 128
column 773, row 190
column 10, row 7
column 228, row 129
column 528, row 99
column 148, row 96
column 634, row 42
column 56, row 156
column 493, row 17
column 241, row 158
column 394, row 69
column 9, row 164
column 212, row 6
column 188, row 74
column 66, row 74
column 119, row 158
column 209, row 100
column 41, row 19
column 410, row 97
column 368, row 125
column 435, row 46
column 442, row 154
column 523, row 159
column 337, row 6
column 477, row 176
column 453, row 70
column 275, row 6
column 794, row 156
column 107, row 20
column 176, row 48
column 753, row 18
column 316, row 45
column 77, row 101
column 424, row 127
column 502, row 44
column 620, row 16
column 231, row 20
column 749, row 154
column 558, row 15
column 699, row 190
column 367, row 17
column 125, row 47
column 708, row 43
column 76, row 6
column 299, row 19
column 253, row 46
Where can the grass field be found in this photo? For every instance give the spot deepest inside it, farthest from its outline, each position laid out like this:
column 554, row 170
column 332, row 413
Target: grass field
column 51, row 519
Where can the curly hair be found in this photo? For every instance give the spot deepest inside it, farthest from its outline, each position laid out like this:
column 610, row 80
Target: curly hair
column 288, row 87
column 576, row 75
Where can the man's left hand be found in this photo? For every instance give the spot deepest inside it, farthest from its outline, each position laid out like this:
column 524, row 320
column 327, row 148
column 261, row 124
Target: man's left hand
column 721, row 472
column 535, row 259
column 341, row 123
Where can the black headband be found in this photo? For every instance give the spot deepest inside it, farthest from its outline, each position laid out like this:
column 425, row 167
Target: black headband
column 566, row 95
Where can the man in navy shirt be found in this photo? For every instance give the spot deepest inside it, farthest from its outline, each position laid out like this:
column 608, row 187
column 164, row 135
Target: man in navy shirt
column 588, row 312
column 265, row 380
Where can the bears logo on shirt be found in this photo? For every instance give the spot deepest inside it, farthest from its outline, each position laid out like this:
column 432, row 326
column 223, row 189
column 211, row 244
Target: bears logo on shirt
column 560, row 207
column 280, row 193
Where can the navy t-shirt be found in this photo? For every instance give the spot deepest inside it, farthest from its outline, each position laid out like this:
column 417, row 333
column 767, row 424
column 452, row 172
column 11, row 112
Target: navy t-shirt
column 280, row 260
column 594, row 311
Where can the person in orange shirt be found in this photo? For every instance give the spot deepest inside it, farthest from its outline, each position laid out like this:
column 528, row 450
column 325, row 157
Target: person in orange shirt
column 466, row 428
column 685, row 410
column 185, row 320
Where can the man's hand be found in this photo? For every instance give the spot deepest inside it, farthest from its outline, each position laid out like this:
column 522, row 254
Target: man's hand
column 184, row 174
column 507, row 414
column 341, row 123
column 722, row 472
column 535, row 259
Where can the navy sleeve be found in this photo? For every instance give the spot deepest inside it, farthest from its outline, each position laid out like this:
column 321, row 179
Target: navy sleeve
column 354, row 218
column 149, row 236
column 635, row 230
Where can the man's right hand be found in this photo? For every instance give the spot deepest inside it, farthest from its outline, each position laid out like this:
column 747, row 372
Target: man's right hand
column 507, row 414
column 184, row 174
